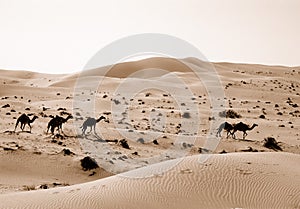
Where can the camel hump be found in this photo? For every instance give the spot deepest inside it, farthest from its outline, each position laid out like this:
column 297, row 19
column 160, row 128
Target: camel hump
column 23, row 116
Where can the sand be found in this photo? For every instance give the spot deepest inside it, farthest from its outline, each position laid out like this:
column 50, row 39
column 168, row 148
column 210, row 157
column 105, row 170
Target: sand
column 175, row 172
column 235, row 180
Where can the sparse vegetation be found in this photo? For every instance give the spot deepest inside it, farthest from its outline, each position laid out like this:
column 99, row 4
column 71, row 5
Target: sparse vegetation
column 271, row 143
column 186, row 115
column 229, row 114
column 124, row 144
column 88, row 163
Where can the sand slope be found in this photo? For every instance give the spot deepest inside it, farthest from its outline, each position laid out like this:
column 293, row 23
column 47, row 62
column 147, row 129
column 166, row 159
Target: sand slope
column 252, row 180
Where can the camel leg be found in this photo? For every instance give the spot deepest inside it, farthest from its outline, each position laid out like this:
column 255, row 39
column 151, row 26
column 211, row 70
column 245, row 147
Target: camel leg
column 29, row 127
column 59, row 129
column 244, row 135
column 233, row 135
column 218, row 134
column 228, row 132
column 22, row 126
column 91, row 128
column 83, row 130
column 48, row 127
column 52, row 130
column 95, row 129
column 16, row 125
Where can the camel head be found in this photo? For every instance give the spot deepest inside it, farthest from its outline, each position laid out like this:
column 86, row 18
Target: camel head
column 101, row 118
column 69, row 117
column 254, row 125
column 34, row 117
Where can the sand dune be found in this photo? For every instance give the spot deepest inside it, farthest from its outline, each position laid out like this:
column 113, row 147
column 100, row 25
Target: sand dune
column 260, row 180
column 248, row 175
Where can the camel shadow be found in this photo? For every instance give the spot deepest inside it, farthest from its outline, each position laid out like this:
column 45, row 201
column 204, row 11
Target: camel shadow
column 59, row 135
column 16, row 132
column 9, row 132
column 245, row 140
column 92, row 137
column 97, row 138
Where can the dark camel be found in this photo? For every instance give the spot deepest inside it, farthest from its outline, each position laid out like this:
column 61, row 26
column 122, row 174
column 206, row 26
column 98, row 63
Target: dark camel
column 242, row 127
column 91, row 122
column 24, row 119
column 57, row 123
column 227, row 127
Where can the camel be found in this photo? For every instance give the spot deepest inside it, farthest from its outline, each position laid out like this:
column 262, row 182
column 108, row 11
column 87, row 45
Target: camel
column 24, row 119
column 57, row 123
column 242, row 127
column 91, row 122
column 227, row 127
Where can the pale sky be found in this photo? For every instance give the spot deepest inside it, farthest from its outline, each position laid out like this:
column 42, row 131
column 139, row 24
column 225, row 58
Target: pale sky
column 60, row 36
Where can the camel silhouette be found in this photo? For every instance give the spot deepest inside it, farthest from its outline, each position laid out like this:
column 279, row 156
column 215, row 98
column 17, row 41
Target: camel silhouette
column 227, row 127
column 57, row 123
column 91, row 122
column 24, row 119
column 242, row 127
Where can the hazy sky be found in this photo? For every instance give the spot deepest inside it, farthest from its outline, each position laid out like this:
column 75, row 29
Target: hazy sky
column 61, row 36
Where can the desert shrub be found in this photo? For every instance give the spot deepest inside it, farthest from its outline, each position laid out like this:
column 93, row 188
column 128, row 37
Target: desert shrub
column 124, row 144
column 271, row 143
column 141, row 140
column 155, row 142
column 229, row 114
column 88, row 163
column 5, row 106
column 262, row 116
column 186, row 115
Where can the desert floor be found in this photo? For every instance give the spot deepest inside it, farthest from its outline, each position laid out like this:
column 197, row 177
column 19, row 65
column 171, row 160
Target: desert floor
column 186, row 166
